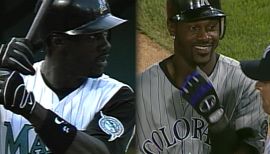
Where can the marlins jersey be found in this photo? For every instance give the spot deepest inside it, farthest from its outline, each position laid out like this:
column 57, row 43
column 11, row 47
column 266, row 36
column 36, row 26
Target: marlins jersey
column 167, row 124
column 101, row 107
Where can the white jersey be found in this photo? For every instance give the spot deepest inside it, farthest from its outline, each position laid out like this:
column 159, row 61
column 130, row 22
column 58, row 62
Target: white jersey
column 17, row 135
column 167, row 124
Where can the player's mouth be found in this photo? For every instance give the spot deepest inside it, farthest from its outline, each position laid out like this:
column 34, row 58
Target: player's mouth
column 102, row 59
column 202, row 50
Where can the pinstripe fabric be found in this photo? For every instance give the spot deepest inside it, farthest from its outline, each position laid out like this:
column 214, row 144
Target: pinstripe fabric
column 267, row 146
column 167, row 124
column 78, row 108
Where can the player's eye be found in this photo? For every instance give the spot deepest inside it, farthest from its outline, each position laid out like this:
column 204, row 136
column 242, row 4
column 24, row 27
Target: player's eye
column 212, row 27
column 100, row 35
column 194, row 29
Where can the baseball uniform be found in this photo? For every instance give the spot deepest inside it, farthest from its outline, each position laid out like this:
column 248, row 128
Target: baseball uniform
column 167, row 124
column 101, row 107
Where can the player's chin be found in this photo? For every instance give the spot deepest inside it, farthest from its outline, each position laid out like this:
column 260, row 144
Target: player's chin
column 202, row 60
column 96, row 72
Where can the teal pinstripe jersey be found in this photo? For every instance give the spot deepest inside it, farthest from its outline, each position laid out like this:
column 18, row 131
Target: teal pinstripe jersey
column 17, row 135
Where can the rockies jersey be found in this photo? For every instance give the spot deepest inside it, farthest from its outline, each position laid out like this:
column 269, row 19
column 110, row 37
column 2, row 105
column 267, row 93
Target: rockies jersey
column 101, row 107
column 167, row 124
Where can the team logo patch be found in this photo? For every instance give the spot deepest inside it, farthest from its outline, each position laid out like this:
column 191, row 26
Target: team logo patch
column 102, row 6
column 111, row 126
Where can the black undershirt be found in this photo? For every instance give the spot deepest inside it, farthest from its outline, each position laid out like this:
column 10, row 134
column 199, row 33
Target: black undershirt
column 61, row 93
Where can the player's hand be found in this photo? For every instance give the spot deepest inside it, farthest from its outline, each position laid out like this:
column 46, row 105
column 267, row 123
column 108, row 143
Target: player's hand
column 17, row 55
column 200, row 93
column 13, row 94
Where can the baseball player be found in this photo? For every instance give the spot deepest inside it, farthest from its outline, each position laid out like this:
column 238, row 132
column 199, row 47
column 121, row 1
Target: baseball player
column 67, row 105
column 181, row 110
column 258, row 70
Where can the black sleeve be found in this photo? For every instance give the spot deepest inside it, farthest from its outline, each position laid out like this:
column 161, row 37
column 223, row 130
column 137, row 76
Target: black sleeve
column 121, row 106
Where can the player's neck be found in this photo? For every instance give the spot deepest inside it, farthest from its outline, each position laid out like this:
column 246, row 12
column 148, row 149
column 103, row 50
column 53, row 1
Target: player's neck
column 209, row 67
column 57, row 78
column 177, row 69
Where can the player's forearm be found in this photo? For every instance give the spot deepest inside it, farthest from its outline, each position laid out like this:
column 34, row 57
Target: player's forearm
column 80, row 143
column 38, row 116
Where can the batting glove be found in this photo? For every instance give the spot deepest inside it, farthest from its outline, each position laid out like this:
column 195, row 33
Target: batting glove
column 13, row 94
column 200, row 93
column 17, row 55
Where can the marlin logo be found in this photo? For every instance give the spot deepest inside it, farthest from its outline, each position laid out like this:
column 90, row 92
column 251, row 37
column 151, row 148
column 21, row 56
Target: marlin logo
column 102, row 6
column 111, row 126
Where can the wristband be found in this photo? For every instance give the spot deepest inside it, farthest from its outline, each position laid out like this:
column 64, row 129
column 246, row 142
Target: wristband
column 56, row 133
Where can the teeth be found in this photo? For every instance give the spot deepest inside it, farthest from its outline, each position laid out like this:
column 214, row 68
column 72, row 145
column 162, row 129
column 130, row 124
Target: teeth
column 201, row 47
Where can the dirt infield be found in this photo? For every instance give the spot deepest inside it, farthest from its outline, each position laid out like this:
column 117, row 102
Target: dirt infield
column 148, row 52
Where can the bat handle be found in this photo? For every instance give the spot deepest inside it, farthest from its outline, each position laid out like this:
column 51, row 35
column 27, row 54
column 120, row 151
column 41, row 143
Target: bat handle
column 37, row 20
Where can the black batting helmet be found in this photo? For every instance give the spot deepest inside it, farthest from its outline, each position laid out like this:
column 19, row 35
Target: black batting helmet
column 75, row 17
column 192, row 10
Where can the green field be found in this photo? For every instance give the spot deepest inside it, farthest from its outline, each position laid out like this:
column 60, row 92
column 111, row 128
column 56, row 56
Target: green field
column 247, row 29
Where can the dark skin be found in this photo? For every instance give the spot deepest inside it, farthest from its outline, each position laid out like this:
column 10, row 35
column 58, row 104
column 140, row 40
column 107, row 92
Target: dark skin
column 72, row 59
column 69, row 62
column 194, row 45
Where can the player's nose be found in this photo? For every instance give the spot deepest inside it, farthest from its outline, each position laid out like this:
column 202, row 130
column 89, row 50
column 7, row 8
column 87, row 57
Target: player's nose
column 106, row 45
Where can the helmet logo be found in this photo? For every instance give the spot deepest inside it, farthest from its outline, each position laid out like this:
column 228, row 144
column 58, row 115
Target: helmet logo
column 102, row 6
column 205, row 2
column 266, row 51
column 198, row 3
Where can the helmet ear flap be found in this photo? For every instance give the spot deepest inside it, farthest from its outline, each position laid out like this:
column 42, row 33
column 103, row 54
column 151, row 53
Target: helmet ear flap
column 171, row 27
column 222, row 29
column 171, row 11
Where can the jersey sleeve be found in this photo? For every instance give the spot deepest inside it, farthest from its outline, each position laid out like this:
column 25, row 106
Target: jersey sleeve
column 249, row 113
column 114, row 124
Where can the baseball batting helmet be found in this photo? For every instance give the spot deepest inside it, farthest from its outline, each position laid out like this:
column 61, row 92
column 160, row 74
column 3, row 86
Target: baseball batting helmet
column 75, row 17
column 193, row 10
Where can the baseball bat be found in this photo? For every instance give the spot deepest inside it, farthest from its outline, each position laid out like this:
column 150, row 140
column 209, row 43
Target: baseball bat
column 37, row 20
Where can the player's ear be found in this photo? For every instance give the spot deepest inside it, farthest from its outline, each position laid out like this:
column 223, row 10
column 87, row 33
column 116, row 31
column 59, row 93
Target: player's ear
column 171, row 11
column 171, row 27
column 58, row 40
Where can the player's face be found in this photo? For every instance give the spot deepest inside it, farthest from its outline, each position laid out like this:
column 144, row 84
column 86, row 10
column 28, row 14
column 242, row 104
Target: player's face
column 264, row 88
column 88, row 54
column 196, row 41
